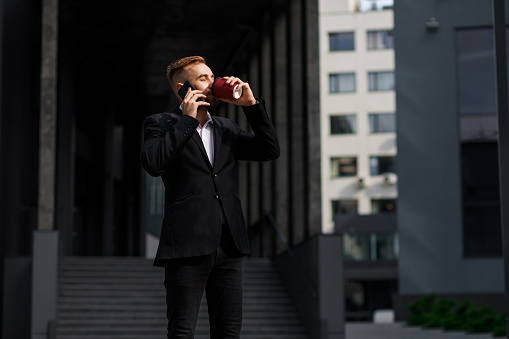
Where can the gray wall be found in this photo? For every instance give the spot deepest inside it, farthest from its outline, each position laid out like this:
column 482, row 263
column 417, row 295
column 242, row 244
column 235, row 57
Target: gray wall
column 429, row 205
column 319, row 260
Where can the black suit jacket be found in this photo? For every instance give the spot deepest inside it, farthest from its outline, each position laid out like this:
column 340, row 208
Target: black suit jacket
column 196, row 194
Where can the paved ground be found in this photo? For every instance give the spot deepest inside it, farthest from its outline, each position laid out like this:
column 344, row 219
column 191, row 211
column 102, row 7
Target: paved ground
column 401, row 331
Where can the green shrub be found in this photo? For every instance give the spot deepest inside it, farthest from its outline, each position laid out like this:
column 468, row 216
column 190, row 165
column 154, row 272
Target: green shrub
column 420, row 308
column 456, row 320
column 440, row 310
column 430, row 312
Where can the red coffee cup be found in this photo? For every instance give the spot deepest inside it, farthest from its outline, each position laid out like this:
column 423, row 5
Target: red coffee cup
column 222, row 90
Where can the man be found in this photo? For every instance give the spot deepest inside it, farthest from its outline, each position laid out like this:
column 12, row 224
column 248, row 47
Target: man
column 204, row 235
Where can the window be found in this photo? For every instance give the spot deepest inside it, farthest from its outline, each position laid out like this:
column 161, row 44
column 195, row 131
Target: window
column 478, row 142
column 370, row 246
column 382, row 123
column 344, row 207
column 344, row 41
column 383, row 206
column 342, row 83
column 481, row 202
column 381, row 81
column 343, row 124
column 343, row 167
column 380, row 39
column 476, row 85
column 380, row 165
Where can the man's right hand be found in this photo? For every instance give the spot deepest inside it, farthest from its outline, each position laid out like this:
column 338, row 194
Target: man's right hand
column 191, row 105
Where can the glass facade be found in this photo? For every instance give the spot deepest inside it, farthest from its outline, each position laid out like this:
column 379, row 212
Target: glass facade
column 383, row 206
column 343, row 167
column 343, row 124
column 478, row 142
column 344, row 207
column 382, row 39
column 382, row 164
column 381, row 81
column 342, row 83
column 342, row 41
column 382, row 123
column 370, row 246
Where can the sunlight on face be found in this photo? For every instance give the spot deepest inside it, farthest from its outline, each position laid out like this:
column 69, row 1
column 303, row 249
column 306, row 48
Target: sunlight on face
column 201, row 77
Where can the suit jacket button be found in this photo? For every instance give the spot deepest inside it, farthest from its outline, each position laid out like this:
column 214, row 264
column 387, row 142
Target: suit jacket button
column 216, row 196
column 215, row 175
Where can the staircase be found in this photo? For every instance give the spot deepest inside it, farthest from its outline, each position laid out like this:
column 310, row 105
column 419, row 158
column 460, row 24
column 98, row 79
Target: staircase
column 124, row 298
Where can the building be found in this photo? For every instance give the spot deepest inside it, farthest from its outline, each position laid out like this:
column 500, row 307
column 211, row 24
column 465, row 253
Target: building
column 358, row 147
column 73, row 94
column 448, row 209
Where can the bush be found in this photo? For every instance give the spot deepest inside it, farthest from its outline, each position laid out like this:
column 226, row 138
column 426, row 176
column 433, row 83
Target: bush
column 420, row 308
column 440, row 310
column 430, row 312
column 456, row 320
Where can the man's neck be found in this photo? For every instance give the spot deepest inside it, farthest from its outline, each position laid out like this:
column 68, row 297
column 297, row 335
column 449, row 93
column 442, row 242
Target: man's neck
column 202, row 116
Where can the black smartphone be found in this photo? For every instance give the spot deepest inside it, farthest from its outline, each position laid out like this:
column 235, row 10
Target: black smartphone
column 185, row 87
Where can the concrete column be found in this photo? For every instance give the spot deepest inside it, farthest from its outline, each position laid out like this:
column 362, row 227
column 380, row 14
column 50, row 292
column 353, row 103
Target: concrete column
column 44, row 282
column 1, row 63
column 312, row 115
column 330, row 286
column 66, row 152
column 283, row 169
column 296, row 128
column 45, row 240
column 48, row 112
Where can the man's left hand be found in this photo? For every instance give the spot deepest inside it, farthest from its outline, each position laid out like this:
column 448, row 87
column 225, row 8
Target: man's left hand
column 246, row 99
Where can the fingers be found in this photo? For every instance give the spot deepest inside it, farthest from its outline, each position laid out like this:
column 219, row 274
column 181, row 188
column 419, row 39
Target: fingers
column 233, row 80
column 192, row 102
column 247, row 98
column 193, row 96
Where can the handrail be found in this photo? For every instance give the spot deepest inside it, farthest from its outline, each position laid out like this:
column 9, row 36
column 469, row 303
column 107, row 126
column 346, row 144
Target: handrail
column 291, row 253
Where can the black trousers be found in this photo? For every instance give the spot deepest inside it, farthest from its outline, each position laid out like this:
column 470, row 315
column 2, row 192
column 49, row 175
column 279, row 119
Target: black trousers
column 219, row 274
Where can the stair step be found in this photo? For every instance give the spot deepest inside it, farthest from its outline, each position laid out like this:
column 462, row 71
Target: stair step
column 124, row 298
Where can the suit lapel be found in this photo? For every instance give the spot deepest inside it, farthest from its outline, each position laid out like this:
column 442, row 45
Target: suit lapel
column 218, row 136
column 199, row 142
column 196, row 138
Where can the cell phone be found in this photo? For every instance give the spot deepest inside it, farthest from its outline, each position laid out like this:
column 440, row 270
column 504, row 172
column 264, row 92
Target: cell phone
column 185, row 87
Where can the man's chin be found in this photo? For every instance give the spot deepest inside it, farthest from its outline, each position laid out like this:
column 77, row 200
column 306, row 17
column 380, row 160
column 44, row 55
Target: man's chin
column 213, row 102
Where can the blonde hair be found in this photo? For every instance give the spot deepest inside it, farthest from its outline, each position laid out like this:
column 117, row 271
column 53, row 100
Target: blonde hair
column 175, row 70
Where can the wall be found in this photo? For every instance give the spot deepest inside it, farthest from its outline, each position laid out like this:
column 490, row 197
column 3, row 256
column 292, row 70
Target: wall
column 319, row 271
column 429, row 206
column 19, row 132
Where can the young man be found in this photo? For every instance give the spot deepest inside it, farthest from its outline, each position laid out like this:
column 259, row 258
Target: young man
column 204, row 235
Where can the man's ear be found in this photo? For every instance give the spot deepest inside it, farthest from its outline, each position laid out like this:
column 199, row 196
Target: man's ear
column 179, row 85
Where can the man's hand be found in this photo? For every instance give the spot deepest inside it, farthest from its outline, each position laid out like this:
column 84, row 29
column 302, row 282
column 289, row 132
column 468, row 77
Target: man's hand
column 191, row 105
column 246, row 99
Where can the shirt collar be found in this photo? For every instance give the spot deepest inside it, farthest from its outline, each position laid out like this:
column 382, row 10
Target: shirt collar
column 209, row 120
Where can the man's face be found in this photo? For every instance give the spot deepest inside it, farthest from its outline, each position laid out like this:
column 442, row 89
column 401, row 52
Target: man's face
column 201, row 77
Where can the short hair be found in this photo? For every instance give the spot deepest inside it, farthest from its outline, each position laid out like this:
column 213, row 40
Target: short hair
column 176, row 68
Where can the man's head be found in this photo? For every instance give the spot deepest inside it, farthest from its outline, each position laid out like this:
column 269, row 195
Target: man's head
column 194, row 70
